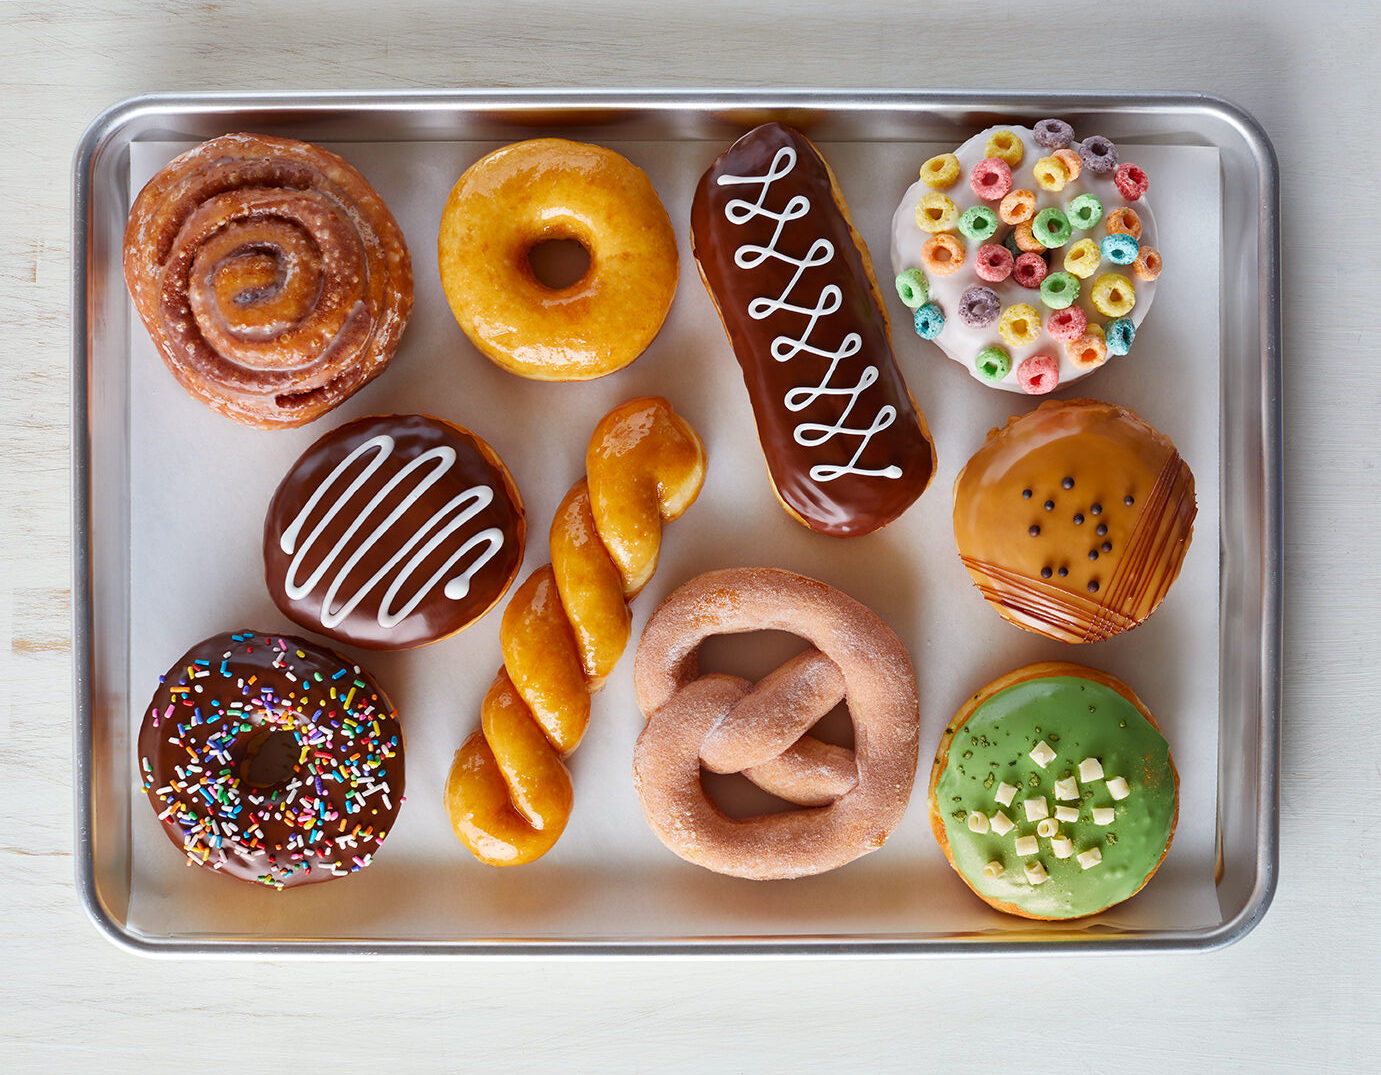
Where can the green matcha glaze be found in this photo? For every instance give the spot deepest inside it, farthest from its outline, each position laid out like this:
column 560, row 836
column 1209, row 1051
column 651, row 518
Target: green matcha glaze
column 1079, row 719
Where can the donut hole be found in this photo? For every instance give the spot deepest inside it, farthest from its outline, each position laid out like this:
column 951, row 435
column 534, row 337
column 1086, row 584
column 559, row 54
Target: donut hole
column 271, row 759
column 558, row 263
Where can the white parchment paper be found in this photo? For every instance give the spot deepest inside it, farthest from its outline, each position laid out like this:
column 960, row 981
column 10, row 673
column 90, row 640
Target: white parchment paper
column 201, row 485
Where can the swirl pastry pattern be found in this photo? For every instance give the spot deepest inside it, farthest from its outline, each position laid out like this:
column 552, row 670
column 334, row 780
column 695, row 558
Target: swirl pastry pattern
column 508, row 794
column 272, row 278
column 851, row 799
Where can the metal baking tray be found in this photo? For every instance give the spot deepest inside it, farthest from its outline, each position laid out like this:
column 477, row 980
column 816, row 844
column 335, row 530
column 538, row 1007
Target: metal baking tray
column 621, row 894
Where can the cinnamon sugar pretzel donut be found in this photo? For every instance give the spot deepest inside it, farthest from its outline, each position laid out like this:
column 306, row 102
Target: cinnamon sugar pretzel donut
column 271, row 276
column 508, row 794
column 851, row 800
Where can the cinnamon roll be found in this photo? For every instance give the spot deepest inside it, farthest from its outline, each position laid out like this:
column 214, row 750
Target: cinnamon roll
column 273, row 279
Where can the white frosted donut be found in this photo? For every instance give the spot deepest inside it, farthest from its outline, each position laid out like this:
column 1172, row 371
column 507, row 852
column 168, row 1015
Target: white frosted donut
column 963, row 342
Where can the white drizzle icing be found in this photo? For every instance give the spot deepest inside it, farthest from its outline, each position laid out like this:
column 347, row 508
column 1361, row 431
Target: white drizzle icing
column 784, row 348
column 461, row 509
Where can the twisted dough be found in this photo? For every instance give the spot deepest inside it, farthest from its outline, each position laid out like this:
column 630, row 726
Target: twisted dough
column 271, row 276
column 508, row 793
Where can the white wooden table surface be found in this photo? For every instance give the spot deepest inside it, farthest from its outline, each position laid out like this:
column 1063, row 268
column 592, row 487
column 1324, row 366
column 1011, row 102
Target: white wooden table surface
column 1299, row 993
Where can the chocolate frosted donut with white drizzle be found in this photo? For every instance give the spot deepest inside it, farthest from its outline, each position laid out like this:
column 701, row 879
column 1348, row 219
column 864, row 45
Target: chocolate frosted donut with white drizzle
column 393, row 531
column 847, row 449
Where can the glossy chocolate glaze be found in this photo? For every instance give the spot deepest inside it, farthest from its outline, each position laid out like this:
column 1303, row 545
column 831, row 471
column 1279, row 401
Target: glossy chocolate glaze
column 433, row 554
column 272, row 760
column 794, row 290
column 1073, row 520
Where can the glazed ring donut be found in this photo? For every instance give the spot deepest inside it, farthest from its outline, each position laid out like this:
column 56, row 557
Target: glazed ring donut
column 271, row 276
column 272, row 760
column 549, row 189
column 852, row 800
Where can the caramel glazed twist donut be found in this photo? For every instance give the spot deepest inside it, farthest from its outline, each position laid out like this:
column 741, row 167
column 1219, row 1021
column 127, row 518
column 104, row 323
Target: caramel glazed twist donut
column 508, row 793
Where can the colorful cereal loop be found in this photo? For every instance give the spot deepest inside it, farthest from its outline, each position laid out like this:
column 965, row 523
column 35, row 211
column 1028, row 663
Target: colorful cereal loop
column 991, row 178
column 1088, row 351
column 993, row 263
column 935, row 212
column 978, row 223
column 1131, row 181
column 1120, row 249
column 1053, row 134
column 1084, row 211
column 979, row 306
column 1029, row 270
column 1072, row 162
column 1059, row 290
column 940, row 173
column 1051, row 227
column 1083, row 258
column 1099, row 155
column 1113, row 295
column 1067, row 324
column 942, row 254
column 913, row 288
column 1120, row 334
column 1051, row 174
column 1123, row 221
column 1005, row 146
column 1147, row 265
column 929, row 321
column 993, row 363
column 1019, row 325
column 1018, row 207
column 1039, row 374
column 1026, row 240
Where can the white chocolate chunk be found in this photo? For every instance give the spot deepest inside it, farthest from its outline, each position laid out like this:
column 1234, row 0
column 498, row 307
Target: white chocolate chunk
column 1001, row 823
column 1005, row 793
column 1103, row 815
column 978, row 822
column 1062, row 847
column 1026, row 845
column 1118, row 789
column 1090, row 769
column 1036, row 808
column 993, row 869
column 1066, row 813
column 1035, row 873
column 1047, row 827
column 1067, row 789
column 1090, row 858
column 1041, row 754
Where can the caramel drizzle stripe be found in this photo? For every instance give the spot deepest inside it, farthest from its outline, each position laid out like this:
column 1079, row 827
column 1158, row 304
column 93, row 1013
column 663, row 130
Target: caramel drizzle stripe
column 1069, row 612
column 1133, row 577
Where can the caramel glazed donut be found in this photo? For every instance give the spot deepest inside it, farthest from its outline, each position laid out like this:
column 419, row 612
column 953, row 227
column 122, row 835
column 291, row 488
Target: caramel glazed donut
column 852, row 799
column 508, row 794
column 548, row 189
column 272, row 278
column 272, row 760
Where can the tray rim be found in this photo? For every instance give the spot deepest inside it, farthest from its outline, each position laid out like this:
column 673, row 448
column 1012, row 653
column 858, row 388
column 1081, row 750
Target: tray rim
column 111, row 121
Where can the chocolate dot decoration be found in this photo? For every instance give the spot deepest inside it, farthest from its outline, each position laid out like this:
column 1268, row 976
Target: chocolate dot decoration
column 1102, row 529
column 1026, row 494
column 1050, row 505
column 1063, row 572
column 1093, row 586
column 1093, row 554
column 1107, row 546
column 1034, row 531
column 1128, row 500
column 1046, row 572
column 1096, row 508
column 1078, row 519
column 1067, row 483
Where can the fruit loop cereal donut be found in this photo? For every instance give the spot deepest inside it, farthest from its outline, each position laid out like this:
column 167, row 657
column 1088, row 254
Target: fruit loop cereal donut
column 272, row 760
column 1028, row 257
column 550, row 189
column 273, row 279
column 1053, row 794
column 393, row 531
column 852, row 799
column 508, row 794
column 1073, row 520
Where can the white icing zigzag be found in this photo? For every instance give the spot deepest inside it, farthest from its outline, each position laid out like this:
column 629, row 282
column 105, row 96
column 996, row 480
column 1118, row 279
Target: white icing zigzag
column 784, row 348
column 463, row 507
